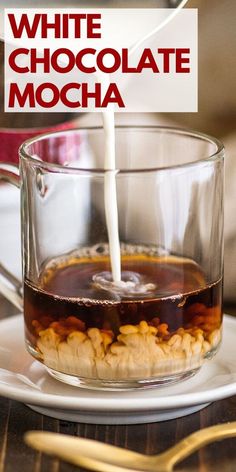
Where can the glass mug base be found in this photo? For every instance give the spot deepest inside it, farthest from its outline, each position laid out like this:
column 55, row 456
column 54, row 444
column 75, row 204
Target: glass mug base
column 110, row 385
column 167, row 374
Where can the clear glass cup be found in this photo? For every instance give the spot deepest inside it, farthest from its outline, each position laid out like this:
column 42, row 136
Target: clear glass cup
column 86, row 331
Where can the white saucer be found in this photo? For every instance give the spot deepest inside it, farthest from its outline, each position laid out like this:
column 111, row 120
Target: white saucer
column 26, row 380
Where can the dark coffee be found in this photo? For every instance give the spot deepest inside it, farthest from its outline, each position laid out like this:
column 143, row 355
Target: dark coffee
column 171, row 298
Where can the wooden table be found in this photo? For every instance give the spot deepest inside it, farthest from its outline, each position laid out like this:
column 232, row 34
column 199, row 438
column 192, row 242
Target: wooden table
column 152, row 438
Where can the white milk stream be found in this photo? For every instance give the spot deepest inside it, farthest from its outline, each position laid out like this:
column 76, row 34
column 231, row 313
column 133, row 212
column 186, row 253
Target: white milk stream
column 110, row 193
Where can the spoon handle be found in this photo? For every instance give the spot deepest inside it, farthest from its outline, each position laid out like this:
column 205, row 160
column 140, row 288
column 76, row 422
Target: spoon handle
column 196, row 440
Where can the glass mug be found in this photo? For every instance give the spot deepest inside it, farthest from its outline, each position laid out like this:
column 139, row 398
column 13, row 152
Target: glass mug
column 170, row 206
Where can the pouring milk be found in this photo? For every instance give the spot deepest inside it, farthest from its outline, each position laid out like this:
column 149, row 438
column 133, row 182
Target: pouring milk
column 110, row 193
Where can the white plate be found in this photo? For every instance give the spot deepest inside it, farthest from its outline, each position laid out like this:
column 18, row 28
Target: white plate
column 26, row 380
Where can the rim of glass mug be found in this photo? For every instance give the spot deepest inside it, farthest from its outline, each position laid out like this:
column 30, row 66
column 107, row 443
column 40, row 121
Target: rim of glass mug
column 218, row 154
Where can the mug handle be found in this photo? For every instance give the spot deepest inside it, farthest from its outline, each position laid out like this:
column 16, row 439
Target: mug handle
column 10, row 286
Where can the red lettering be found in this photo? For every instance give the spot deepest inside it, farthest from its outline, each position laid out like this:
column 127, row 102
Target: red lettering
column 39, row 95
column 147, row 61
column 71, row 60
column 42, row 95
column 166, row 58
column 125, row 62
column 65, row 26
column 79, row 63
column 56, row 25
column 77, row 17
column 12, row 60
column 92, row 25
column 15, row 94
column 113, row 96
column 100, row 59
column 59, row 25
column 180, row 60
column 68, row 103
column 45, row 60
column 30, row 30
column 86, row 95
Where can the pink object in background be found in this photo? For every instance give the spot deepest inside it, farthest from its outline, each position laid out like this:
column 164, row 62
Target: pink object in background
column 12, row 138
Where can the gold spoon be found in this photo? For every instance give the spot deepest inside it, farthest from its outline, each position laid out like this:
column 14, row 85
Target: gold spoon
column 102, row 457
